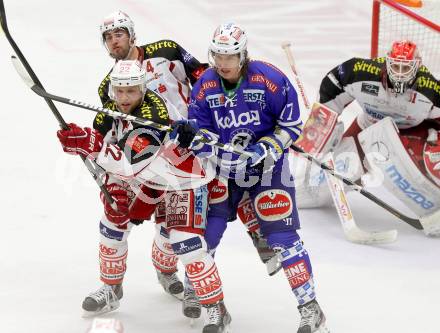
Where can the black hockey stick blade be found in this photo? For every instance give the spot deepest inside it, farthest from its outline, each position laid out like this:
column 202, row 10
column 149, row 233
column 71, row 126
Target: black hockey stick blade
column 415, row 223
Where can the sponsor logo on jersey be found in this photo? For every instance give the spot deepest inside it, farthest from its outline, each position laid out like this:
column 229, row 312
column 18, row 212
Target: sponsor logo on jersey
column 218, row 192
column 255, row 95
column 370, row 89
column 258, row 78
column 237, row 120
column 216, row 100
column 187, row 57
column 110, row 233
column 363, row 66
column 151, row 48
column 162, row 260
column 297, row 274
column 247, row 215
column 273, row 205
column 163, row 231
column 158, row 102
column 205, row 86
column 108, row 251
column 138, row 143
column 177, row 209
column 208, row 285
column 195, row 268
column 405, row 186
column 428, row 83
column 373, row 113
column 200, row 206
column 187, row 246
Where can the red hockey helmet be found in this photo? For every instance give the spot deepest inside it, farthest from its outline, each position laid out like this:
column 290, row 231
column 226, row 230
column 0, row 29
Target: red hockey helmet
column 403, row 62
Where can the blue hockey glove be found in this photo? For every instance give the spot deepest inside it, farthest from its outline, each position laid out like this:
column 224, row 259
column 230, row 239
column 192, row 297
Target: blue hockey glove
column 184, row 132
column 263, row 156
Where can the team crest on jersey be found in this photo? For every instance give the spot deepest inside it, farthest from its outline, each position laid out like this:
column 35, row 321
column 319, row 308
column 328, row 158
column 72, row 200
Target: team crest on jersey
column 241, row 138
column 273, row 205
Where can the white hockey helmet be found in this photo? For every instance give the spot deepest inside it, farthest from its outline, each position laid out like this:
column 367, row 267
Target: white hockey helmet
column 128, row 73
column 117, row 20
column 229, row 38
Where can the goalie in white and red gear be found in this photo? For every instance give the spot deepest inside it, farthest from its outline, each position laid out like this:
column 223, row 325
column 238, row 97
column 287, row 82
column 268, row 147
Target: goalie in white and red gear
column 397, row 86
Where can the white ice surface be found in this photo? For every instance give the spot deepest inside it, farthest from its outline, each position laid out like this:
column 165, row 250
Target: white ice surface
column 49, row 206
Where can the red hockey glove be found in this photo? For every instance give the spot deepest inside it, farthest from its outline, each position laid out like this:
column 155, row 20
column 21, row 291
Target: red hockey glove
column 120, row 217
column 80, row 141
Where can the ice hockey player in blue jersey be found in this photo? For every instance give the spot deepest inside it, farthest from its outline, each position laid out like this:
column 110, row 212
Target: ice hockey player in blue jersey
column 252, row 106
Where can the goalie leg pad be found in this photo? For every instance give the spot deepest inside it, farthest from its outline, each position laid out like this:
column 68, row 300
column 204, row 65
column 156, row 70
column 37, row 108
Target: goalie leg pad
column 200, row 267
column 113, row 250
column 392, row 167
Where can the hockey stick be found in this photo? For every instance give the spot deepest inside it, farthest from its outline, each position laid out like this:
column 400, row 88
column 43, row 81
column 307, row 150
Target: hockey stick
column 351, row 230
column 94, row 169
column 114, row 114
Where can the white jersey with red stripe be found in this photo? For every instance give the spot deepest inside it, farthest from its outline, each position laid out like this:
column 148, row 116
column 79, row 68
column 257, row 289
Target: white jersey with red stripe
column 365, row 81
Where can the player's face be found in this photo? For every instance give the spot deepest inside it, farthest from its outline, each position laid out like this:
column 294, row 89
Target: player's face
column 118, row 43
column 228, row 66
column 127, row 98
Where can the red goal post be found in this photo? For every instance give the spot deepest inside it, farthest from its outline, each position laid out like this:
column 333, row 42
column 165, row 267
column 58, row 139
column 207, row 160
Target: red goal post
column 415, row 20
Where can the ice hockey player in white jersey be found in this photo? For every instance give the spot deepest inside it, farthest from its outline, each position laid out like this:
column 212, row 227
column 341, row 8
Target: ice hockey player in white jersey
column 399, row 119
column 170, row 70
column 142, row 167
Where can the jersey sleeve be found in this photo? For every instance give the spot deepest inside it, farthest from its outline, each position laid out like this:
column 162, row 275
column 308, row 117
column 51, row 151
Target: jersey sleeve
column 102, row 122
column 198, row 108
column 139, row 146
column 282, row 100
column 183, row 64
column 332, row 92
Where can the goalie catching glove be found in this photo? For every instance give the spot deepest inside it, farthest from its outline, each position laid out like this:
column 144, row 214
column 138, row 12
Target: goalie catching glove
column 80, row 141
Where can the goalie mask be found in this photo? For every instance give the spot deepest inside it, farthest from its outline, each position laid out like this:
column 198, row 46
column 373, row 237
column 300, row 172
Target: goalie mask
column 228, row 39
column 128, row 84
column 403, row 61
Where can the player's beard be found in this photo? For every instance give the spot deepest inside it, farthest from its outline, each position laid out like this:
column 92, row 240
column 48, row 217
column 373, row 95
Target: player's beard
column 121, row 52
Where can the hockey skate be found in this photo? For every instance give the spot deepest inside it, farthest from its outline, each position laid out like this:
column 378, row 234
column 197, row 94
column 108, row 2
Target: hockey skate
column 190, row 304
column 105, row 299
column 218, row 319
column 171, row 284
column 312, row 318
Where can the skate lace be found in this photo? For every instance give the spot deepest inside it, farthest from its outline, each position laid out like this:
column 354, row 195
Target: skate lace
column 308, row 315
column 214, row 315
column 103, row 294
